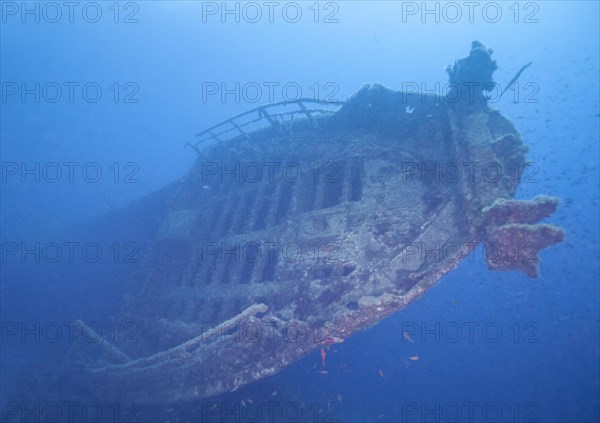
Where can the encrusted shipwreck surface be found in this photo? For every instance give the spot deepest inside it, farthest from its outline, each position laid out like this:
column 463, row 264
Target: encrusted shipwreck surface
column 353, row 215
column 513, row 238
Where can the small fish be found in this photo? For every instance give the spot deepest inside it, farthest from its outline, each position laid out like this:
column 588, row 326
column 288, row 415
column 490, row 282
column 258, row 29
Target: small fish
column 409, row 109
column 406, row 336
column 273, row 393
column 414, row 358
column 323, row 372
column 340, row 398
column 323, row 357
column 381, row 373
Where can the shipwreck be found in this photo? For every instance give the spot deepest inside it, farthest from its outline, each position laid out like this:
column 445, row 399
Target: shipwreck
column 304, row 222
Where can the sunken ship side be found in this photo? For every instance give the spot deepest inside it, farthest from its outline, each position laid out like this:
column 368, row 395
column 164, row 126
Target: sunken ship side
column 304, row 232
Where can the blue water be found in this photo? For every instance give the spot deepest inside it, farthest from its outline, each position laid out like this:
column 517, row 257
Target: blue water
column 533, row 351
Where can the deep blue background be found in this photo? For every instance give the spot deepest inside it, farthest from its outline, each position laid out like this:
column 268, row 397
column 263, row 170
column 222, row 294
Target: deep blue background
column 170, row 52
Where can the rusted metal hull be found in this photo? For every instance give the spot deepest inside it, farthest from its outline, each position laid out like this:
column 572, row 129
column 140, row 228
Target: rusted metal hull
column 249, row 273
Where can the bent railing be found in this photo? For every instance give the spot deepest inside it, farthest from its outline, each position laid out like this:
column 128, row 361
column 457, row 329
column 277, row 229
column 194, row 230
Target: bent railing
column 271, row 114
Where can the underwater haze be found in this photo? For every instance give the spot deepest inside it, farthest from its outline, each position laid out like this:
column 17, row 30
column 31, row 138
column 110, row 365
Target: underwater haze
column 100, row 106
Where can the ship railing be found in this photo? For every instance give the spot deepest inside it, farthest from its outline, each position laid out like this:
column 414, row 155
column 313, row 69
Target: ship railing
column 273, row 115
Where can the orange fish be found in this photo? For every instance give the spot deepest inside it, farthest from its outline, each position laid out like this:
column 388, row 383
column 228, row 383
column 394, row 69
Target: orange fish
column 323, row 356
